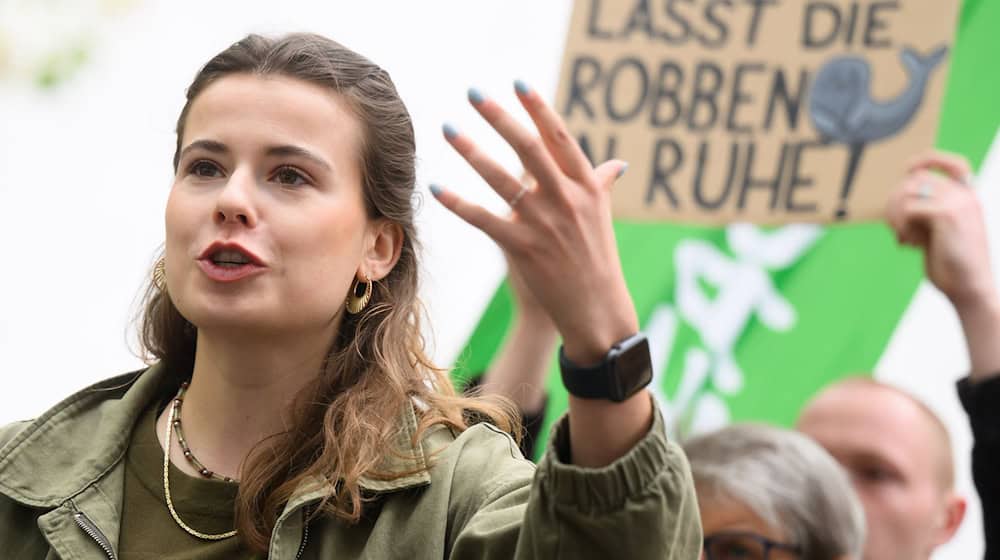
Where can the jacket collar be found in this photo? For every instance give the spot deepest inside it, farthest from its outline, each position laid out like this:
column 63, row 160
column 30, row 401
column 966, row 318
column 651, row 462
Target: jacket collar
column 76, row 442
column 79, row 440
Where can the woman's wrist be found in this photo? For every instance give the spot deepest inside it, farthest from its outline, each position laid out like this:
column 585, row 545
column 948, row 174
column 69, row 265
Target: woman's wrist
column 535, row 320
column 603, row 431
column 589, row 343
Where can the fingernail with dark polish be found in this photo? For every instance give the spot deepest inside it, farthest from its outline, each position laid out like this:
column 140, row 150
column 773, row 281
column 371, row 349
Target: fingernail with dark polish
column 521, row 88
column 622, row 170
column 475, row 96
column 435, row 190
column 449, row 131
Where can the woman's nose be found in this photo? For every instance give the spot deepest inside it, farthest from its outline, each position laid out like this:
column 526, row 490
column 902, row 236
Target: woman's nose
column 234, row 204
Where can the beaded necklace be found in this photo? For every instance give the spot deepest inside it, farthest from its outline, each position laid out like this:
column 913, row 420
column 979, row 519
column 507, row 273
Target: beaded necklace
column 174, row 423
column 202, row 470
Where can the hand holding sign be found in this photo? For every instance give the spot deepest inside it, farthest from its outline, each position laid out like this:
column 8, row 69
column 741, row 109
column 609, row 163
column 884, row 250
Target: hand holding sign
column 936, row 210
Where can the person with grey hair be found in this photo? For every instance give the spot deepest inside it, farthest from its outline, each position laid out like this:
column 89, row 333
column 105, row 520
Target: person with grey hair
column 767, row 493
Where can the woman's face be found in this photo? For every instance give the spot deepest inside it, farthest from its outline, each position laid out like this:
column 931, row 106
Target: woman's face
column 737, row 532
column 266, row 224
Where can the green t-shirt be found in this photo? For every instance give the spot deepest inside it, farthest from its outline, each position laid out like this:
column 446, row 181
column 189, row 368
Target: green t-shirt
column 148, row 530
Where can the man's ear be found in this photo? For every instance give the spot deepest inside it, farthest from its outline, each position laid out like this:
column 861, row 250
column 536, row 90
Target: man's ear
column 954, row 513
column 383, row 245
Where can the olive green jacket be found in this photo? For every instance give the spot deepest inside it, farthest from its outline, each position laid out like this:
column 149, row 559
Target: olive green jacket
column 62, row 478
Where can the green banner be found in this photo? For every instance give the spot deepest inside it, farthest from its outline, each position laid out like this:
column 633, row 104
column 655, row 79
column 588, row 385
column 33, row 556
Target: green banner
column 745, row 323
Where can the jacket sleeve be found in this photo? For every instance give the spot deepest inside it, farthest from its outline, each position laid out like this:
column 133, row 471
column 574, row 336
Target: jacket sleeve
column 641, row 506
column 531, row 421
column 981, row 401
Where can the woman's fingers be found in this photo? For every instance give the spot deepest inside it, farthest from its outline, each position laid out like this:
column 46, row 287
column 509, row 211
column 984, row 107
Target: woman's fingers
column 915, row 219
column 927, row 185
column 609, row 172
column 529, row 147
column 492, row 225
column 916, row 205
column 493, row 173
column 561, row 145
column 952, row 165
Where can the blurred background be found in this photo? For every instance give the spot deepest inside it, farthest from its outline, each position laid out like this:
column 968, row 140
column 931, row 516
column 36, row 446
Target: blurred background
column 89, row 94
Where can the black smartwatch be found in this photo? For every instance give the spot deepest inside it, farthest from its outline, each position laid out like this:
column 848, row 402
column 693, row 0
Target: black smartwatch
column 625, row 370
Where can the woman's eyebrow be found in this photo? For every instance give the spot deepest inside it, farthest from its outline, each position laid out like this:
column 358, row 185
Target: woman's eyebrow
column 296, row 151
column 207, row 145
column 285, row 150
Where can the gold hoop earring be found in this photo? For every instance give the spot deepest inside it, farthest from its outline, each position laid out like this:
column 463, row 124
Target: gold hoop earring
column 357, row 302
column 160, row 275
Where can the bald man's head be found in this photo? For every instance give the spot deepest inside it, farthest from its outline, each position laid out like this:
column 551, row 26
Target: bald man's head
column 884, row 406
column 899, row 456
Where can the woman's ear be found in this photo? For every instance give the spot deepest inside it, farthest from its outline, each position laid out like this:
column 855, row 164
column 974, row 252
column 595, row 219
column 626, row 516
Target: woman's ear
column 383, row 246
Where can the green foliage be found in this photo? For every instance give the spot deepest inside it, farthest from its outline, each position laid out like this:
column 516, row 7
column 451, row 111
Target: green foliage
column 62, row 65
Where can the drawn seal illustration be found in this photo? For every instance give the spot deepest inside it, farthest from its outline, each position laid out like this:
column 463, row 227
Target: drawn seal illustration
column 842, row 109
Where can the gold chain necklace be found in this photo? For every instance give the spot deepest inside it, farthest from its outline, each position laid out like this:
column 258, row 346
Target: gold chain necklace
column 166, row 483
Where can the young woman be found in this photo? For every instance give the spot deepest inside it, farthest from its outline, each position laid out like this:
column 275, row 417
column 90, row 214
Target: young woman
column 291, row 411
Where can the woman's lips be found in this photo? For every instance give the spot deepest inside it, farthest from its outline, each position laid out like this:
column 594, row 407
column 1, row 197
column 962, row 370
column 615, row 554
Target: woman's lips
column 228, row 272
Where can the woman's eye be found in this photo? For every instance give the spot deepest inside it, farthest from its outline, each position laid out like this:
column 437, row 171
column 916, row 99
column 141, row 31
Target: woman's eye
column 205, row 169
column 289, row 176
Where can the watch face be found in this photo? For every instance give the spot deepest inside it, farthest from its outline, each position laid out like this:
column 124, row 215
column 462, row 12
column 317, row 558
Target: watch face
column 633, row 367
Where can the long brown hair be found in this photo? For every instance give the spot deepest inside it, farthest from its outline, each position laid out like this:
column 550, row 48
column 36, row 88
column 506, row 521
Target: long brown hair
column 346, row 419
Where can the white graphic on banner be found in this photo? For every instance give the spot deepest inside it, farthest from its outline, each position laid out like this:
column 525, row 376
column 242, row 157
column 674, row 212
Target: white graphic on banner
column 744, row 290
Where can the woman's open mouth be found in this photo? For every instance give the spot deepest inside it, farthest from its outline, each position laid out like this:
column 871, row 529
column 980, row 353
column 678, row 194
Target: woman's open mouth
column 228, row 262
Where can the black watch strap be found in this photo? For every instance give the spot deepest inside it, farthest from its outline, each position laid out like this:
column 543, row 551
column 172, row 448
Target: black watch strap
column 586, row 382
column 625, row 370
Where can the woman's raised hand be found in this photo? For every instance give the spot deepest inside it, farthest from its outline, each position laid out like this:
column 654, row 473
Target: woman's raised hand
column 559, row 233
column 936, row 210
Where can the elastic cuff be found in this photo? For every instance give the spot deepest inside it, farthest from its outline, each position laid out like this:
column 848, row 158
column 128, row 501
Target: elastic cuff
column 609, row 488
column 981, row 400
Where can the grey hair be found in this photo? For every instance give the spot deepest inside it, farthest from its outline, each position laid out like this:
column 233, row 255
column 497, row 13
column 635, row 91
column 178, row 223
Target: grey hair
column 788, row 480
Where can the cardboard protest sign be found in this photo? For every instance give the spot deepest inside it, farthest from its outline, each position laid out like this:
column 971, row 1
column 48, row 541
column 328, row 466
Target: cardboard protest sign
column 767, row 111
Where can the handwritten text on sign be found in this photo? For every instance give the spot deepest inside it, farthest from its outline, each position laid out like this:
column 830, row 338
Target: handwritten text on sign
column 767, row 111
